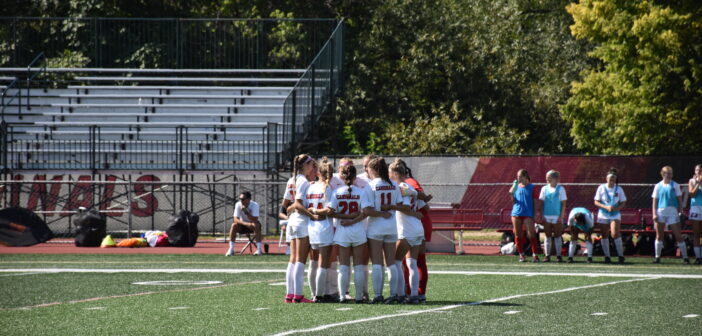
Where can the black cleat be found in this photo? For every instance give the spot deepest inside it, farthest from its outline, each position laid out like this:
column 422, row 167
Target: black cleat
column 621, row 260
column 608, row 260
column 698, row 261
column 686, row 261
column 547, row 259
column 656, row 261
column 378, row 299
column 559, row 259
column 589, row 260
column 412, row 300
column 570, row 260
column 393, row 299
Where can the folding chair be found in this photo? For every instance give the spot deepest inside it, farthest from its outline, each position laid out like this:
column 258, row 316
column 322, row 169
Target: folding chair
column 282, row 232
column 250, row 244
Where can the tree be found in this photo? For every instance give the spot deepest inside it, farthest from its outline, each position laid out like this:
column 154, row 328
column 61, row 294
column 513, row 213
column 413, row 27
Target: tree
column 645, row 94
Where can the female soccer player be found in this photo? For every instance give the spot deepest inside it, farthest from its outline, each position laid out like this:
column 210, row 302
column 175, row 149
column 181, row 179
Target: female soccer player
column 695, row 189
column 410, row 234
column 382, row 229
column 551, row 206
column 304, row 170
column 350, row 203
column 580, row 219
column 523, row 214
column 427, row 226
column 321, row 232
column 667, row 207
column 610, row 199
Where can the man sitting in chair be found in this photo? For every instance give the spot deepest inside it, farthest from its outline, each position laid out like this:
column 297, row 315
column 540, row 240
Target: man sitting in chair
column 245, row 222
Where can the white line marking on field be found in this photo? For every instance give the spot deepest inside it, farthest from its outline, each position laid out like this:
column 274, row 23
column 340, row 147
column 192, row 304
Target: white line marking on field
column 241, row 271
column 95, row 308
column 690, row 315
column 343, row 309
column 178, row 308
column 598, row 314
column 259, row 309
column 177, row 282
column 18, row 274
column 417, row 312
column 278, row 284
column 512, row 312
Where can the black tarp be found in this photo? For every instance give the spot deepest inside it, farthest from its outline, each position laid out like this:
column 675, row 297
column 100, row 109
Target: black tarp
column 183, row 230
column 22, row 227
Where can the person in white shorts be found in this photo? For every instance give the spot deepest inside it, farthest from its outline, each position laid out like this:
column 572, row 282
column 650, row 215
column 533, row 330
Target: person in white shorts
column 317, row 200
column 350, row 203
column 610, row 199
column 580, row 220
column 382, row 228
column 695, row 189
column 246, row 221
column 667, row 207
column 410, row 233
column 304, row 171
column 551, row 212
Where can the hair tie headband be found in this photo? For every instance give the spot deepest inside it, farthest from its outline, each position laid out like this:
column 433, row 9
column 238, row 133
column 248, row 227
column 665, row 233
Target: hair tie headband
column 309, row 158
column 346, row 163
column 612, row 174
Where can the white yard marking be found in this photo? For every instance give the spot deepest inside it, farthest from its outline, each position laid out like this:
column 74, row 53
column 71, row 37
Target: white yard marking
column 690, row 315
column 177, row 282
column 178, row 308
column 278, row 284
column 95, row 308
column 598, row 314
column 512, row 312
column 282, row 270
column 18, row 274
column 259, row 309
column 444, row 308
column 343, row 309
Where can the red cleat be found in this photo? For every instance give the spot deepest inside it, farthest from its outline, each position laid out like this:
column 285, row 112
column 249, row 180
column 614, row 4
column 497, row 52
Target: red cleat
column 301, row 299
column 289, row 298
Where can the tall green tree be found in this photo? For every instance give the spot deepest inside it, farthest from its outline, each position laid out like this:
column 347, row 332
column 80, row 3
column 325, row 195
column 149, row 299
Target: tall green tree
column 645, row 94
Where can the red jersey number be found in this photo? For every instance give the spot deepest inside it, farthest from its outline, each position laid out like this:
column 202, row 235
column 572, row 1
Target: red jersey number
column 385, row 198
column 348, row 207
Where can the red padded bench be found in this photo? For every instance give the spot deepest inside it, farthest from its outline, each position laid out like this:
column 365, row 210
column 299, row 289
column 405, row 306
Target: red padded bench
column 456, row 220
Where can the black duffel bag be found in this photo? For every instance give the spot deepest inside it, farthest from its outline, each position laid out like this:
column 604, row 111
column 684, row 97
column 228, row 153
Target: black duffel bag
column 183, row 232
column 91, row 228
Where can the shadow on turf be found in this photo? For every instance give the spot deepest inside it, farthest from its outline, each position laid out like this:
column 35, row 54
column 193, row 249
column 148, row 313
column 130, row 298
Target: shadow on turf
column 477, row 303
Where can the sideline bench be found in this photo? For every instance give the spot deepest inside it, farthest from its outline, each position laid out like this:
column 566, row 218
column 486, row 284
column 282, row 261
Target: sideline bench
column 456, row 220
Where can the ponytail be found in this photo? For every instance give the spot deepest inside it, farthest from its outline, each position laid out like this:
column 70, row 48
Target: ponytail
column 348, row 173
column 381, row 168
column 399, row 167
column 326, row 171
column 299, row 162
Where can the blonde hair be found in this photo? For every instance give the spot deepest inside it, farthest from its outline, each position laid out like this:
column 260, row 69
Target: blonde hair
column 299, row 163
column 398, row 166
column 326, row 171
column 667, row 168
column 553, row 173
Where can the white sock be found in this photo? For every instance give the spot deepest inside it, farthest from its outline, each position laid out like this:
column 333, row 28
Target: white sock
column 365, row 284
column 619, row 245
column 683, row 249
column 312, row 276
column 332, row 277
column 343, row 279
column 378, row 276
column 322, row 281
column 547, row 246
column 698, row 252
column 559, row 245
column 359, row 278
column 571, row 248
column 659, row 248
column 258, row 246
column 588, row 245
column 231, row 247
column 413, row 276
column 289, row 276
column 400, row 278
column 392, row 279
column 605, row 246
column 299, row 278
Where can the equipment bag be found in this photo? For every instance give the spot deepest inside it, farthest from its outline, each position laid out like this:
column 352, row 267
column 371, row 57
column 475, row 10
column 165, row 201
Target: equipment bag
column 91, row 228
column 183, row 232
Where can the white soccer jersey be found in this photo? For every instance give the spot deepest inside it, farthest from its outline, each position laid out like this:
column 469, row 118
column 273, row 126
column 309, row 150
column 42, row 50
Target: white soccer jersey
column 318, row 196
column 345, row 202
column 383, row 193
column 301, row 185
column 337, row 182
column 409, row 226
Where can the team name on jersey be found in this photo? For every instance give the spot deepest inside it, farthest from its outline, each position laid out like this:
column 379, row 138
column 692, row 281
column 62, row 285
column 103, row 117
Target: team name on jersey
column 291, row 186
column 315, row 196
column 385, row 188
column 348, row 197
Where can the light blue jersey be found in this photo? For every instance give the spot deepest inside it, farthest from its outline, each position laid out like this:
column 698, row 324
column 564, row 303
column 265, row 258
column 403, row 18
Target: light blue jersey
column 697, row 199
column 552, row 201
column 667, row 194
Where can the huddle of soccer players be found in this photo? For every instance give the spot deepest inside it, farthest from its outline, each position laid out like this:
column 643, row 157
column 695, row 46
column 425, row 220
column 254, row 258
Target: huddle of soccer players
column 549, row 209
column 378, row 215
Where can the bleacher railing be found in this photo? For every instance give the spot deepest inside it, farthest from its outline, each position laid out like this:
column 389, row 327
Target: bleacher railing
column 315, row 92
column 165, row 42
column 30, row 75
column 97, row 148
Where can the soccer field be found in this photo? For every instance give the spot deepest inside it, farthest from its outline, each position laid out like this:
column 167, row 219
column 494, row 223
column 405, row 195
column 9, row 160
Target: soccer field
column 213, row 295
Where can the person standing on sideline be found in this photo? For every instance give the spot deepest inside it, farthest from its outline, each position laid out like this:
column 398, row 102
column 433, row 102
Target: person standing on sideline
column 246, row 221
column 667, row 207
column 551, row 207
column 523, row 196
column 695, row 189
column 610, row 199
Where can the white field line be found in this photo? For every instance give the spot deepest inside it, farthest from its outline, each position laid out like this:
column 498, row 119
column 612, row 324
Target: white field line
column 445, row 308
column 135, row 294
column 280, row 270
